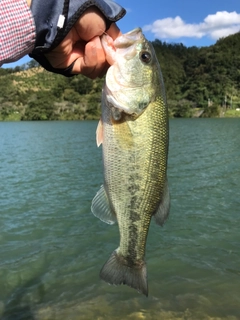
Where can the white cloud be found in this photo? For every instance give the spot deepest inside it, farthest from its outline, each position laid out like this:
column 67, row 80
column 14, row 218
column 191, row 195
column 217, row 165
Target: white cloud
column 215, row 26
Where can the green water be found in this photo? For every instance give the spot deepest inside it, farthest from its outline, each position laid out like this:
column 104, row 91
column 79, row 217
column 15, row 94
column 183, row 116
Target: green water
column 52, row 248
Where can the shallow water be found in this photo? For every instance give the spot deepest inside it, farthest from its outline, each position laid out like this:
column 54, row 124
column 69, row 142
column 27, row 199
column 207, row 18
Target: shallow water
column 52, row 248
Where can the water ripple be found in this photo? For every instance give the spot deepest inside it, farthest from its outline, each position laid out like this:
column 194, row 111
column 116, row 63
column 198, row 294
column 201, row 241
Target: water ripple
column 52, row 248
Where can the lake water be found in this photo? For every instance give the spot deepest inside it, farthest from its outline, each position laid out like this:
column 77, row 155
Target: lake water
column 52, row 248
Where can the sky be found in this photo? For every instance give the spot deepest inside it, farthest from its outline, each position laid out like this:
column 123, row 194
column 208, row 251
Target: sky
column 191, row 22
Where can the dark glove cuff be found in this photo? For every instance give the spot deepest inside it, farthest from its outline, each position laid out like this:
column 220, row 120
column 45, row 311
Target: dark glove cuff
column 55, row 18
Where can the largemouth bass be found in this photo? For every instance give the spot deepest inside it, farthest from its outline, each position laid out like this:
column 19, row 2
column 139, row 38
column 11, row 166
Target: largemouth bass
column 134, row 136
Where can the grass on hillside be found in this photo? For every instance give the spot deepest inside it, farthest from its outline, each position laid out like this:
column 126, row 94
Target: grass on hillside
column 232, row 114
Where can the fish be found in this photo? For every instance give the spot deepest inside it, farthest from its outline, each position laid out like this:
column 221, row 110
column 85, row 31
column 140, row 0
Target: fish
column 134, row 134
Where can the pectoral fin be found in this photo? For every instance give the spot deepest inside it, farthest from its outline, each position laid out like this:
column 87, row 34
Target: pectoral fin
column 162, row 213
column 101, row 207
column 99, row 133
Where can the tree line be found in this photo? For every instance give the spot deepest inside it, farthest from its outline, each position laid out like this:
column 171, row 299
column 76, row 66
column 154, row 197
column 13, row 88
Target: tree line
column 195, row 77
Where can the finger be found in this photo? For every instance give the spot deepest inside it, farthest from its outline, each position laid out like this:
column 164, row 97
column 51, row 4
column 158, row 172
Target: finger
column 92, row 23
column 93, row 62
column 114, row 31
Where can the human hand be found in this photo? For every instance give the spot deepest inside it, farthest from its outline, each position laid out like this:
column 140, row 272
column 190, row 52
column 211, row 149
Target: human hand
column 82, row 45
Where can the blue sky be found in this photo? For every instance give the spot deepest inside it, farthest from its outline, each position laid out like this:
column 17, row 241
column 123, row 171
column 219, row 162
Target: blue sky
column 192, row 22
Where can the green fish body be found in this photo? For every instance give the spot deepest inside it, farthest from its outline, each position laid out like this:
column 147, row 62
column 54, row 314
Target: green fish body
column 134, row 137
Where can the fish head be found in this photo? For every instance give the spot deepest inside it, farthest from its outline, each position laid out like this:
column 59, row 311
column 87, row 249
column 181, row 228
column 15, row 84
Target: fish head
column 133, row 77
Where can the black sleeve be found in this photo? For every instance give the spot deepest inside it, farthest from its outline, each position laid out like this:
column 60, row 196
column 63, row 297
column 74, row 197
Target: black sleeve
column 55, row 18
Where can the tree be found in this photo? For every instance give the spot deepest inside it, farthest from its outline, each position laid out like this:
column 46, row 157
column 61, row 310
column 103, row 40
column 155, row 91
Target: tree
column 41, row 108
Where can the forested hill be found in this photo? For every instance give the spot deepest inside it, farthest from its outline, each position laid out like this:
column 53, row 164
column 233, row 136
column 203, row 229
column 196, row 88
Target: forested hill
column 207, row 78
column 201, row 76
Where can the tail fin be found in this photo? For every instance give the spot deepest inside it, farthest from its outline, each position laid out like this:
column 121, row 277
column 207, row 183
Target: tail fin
column 116, row 272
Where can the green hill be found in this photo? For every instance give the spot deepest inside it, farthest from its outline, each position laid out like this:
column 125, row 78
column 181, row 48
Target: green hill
column 206, row 78
column 35, row 94
column 201, row 77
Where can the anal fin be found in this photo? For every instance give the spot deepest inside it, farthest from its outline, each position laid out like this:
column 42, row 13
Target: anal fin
column 162, row 212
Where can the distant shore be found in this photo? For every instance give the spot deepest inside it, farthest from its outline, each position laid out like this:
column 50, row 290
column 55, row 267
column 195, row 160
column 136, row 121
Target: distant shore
column 198, row 113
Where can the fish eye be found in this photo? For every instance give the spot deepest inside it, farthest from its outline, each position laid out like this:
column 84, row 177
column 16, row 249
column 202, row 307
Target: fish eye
column 145, row 56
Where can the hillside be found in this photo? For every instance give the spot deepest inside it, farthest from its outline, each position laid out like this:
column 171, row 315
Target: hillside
column 207, row 78
column 201, row 77
column 35, row 94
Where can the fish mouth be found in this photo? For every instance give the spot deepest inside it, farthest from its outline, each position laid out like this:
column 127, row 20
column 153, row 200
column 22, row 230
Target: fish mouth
column 128, row 39
column 124, row 44
column 117, row 84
